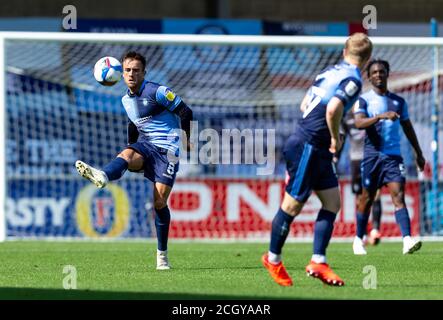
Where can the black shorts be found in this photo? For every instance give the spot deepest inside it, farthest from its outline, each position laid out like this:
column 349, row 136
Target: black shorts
column 356, row 177
column 158, row 167
column 380, row 169
column 308, row 168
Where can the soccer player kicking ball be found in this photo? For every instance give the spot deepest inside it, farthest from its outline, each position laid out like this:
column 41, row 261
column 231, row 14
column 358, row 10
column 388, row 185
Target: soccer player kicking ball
column 382, row 113
column 155, row 113
column 308, row 154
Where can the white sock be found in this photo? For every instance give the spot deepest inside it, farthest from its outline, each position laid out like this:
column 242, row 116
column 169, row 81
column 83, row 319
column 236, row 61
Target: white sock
column 274, row 258
column 407, row 238
column 159, row 252
column 358, row 239
column 318, row 258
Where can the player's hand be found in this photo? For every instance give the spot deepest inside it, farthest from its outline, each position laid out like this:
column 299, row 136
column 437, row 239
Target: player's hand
column 390, row 115
column 420, row 162
column 336, row 145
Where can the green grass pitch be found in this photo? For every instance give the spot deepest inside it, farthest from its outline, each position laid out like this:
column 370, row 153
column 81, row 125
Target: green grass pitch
column 126, row 270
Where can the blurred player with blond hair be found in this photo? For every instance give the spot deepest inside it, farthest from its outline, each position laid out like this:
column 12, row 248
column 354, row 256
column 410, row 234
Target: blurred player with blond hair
column 308, row 154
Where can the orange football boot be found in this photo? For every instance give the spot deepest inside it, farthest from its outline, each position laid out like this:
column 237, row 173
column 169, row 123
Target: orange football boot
column 277, row 271
column 323, row 272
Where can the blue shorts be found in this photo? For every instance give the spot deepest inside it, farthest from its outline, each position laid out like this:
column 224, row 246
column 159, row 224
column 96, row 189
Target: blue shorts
column 157, row 166
column 308, row 168
column 380, row 169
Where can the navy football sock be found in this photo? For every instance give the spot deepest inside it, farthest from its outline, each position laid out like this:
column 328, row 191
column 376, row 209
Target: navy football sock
column 324, row 225
column 162, row 220
column 280, row 230
column 402, row 218
column 116, row 168
column 376, row 214
column 362, row 224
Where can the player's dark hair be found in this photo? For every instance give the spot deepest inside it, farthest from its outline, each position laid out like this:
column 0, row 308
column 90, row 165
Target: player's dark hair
column 136, row 56
column 378, row 61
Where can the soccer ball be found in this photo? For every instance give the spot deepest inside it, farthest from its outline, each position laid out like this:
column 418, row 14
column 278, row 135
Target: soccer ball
column 108, row 71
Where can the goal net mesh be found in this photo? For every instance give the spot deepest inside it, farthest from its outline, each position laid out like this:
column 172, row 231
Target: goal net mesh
column 57, row 113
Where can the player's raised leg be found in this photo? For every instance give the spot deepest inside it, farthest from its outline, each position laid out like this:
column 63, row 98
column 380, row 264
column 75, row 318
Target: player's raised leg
column 323, row 228
column 162, row 222
column 114, row 170
column 281, row 225
column 410, row 245
column 94, row 175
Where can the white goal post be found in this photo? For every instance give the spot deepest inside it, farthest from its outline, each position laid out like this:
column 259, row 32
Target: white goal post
column 272, row 71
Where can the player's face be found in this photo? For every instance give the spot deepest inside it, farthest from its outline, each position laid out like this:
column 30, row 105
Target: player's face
column 378, row 76
column 133, row 74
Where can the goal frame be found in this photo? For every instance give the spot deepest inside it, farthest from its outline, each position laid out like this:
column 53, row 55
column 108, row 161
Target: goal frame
column 165, row 39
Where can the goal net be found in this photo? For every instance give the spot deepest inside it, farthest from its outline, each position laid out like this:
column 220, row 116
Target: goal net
column 245, row 92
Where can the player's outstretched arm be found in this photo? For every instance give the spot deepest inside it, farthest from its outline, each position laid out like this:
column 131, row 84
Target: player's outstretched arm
column 334, row 114
column 363, row 122
column 409, row 131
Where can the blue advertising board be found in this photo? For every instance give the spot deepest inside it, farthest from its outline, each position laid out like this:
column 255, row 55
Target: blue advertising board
column 76, row 208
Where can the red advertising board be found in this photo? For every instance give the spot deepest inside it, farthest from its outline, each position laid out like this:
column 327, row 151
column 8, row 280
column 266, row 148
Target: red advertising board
column 244, row 208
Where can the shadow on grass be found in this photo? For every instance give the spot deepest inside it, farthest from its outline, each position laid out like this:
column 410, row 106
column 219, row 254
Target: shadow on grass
column 218, row 268
column 60, row 294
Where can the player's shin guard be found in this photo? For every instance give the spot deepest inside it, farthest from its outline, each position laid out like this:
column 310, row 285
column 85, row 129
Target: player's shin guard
column 280, row 230
column 376, row 214
column 162, row 220
column 362, row 224
column 324, row 225
column 116, row 168
column 403, row 221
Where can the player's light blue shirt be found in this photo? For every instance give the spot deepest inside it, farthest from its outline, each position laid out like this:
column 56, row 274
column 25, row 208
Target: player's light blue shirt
column 384, row 136
column 151, row 110
column 343, row 81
